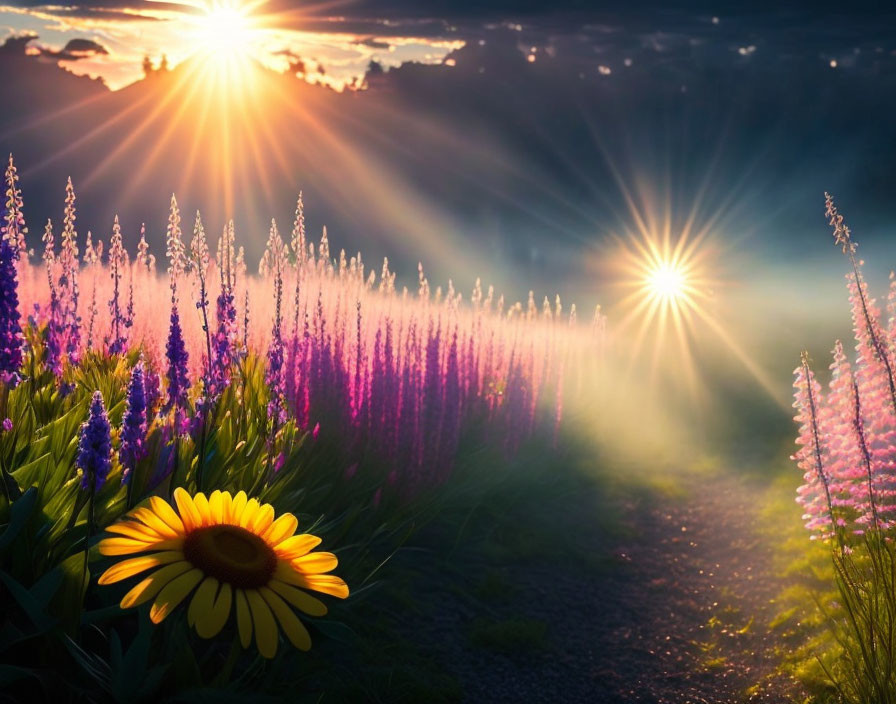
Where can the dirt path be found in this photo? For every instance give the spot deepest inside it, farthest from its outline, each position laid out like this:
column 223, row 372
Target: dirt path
column 671, row 610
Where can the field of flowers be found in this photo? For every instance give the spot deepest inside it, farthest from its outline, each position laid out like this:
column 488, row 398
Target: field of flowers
column 181, row 441
column 846, row 439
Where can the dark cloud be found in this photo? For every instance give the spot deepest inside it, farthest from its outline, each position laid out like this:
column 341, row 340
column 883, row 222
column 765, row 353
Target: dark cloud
column 16, row 44
column 75, row 49
column 373, row 43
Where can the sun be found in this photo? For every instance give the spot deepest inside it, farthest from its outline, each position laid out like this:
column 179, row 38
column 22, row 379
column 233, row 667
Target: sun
column 224, row 30
column 667, row 282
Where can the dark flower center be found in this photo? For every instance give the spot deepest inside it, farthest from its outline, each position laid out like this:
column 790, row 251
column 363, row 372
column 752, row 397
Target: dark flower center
column 231, row 554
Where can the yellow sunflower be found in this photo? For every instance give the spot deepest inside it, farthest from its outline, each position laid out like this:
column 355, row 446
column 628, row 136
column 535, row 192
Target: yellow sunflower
column 234, row 554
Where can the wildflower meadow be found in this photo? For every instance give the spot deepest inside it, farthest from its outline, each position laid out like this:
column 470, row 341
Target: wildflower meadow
column 196, row 426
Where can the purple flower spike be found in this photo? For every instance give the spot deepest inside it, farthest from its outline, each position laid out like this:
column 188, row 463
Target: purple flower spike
column 11, row 339
column 133, row 424
column 176, row 352
column 95, row 446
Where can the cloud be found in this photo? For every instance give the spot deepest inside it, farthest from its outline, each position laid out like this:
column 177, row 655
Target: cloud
column 373, row 43
column 74, row 50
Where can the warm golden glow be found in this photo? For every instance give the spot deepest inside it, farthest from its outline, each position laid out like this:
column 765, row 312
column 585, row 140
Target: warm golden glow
column 223, row 31
column 666, row 282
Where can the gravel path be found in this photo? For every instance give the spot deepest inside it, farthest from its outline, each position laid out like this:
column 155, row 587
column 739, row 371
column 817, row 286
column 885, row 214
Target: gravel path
column 671, row 610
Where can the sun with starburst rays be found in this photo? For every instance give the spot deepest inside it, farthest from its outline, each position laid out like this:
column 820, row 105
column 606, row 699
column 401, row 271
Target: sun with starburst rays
column 668, row 286
column 225, row 36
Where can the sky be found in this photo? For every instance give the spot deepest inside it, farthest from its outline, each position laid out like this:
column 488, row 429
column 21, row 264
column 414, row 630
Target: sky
column 531, row 144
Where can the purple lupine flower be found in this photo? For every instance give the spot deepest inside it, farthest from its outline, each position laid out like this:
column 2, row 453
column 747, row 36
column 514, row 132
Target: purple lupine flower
column 68, row 280
column 95, row 446
column 133, row 424
column 91, row 259
column 145, row 260
column 276, row 254
column 13, row 227
column 7, row 425
column 222, row 343
column 152, row 385
column 117, row 341
column 225, row 317
column 11, row 338
column 54, row 334
column 176, row 353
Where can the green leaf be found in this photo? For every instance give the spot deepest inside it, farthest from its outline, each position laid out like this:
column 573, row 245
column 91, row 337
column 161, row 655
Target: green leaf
column 19, row 514
column 33, row 609
column 69, row 600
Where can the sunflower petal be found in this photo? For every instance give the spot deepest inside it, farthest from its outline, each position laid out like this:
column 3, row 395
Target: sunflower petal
column 173, row 593
column 281, row 529
column 226, row 506
column 237, row 507
column 127, row 546
column 135, row 530
column 188, row 513
column 153, row 584
column 216, row 506
column 136, row 565
column 203, row 600
column 296, row 546
column 210, row 623
column 316, row 562
column 243, row 618
column 163, row 510
column 298, row 598
column 262, row 520
column 293, row 628
column 151, row 520
column 201, row 504
column 326, row 584
column 265, row 625
column 248, row 515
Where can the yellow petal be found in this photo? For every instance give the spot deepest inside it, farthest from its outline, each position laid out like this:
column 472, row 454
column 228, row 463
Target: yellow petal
column 248, row 514
column 243, row 618
column 137, row 531
column 237, row 507
column 281, row 529
column 136, row 565
column 126, row 546
column 163, row 510
column 226, row 506
column 154, row 522
column 203, row 600
column 299, row 599
column 292, row 626
column 265, row 625
column 262, row 520
column 326, row 584
column 210, row 623
column 153, row 584
column 216, row 506
column 173, row 593
column 201, row 504
column 316, row 562
column 188, row 513
column 297, row 546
